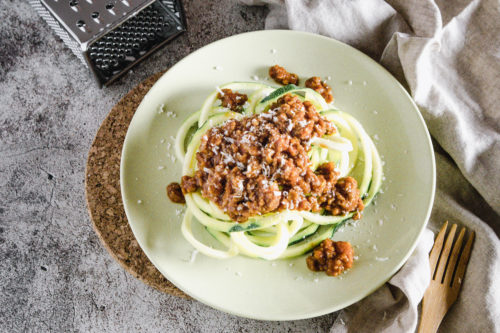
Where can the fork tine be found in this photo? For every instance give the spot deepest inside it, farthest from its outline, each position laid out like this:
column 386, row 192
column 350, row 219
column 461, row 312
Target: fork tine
column 464, row 259
column 443, row 260
column 454, row 257
column 436, row 249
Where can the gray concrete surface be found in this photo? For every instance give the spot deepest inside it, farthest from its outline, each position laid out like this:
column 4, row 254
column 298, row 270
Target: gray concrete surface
column 54, row 274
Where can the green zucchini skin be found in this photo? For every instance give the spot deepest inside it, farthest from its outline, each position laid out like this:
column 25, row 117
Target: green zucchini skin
column 279, row 92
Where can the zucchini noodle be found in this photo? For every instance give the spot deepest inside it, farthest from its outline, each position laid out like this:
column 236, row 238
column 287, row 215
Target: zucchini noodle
column 287, row 233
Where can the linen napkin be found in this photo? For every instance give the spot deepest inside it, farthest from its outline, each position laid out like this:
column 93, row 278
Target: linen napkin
column 447, row 54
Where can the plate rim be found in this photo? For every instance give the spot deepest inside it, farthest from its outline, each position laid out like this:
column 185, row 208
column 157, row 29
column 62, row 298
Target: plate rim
column 326, row 310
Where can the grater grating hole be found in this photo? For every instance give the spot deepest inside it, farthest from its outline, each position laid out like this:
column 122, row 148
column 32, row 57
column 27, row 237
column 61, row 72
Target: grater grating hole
column 130, row 41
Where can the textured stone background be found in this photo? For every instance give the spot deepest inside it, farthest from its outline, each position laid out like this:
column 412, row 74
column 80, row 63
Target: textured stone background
column 54, row 274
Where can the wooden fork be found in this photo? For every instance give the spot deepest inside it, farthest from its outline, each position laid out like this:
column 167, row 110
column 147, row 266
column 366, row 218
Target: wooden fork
column 447, row 276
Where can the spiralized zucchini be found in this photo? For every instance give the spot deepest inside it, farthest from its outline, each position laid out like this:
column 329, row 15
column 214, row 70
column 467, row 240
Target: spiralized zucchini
column 288, row 233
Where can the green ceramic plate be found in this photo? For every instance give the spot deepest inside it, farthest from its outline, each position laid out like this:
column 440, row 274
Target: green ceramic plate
column 281, row 290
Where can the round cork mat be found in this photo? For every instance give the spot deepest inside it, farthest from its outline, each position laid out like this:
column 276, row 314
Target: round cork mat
column 103, row 194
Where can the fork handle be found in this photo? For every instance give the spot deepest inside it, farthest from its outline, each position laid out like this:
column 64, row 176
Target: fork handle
column 428, row 326
column 433, row 313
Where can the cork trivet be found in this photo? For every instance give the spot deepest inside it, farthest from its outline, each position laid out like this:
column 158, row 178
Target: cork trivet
column 102, row 190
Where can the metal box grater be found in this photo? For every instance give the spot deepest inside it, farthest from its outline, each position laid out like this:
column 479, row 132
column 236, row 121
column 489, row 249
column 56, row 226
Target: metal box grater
column 111, row 36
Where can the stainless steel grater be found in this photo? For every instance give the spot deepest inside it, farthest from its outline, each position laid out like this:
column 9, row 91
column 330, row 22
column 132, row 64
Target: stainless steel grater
column 111, row 36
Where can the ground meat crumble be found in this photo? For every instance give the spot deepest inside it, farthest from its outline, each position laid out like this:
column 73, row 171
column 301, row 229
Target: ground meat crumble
column 232, row 100
column 174, row 192
column 281, row 75
column 331, row 257
column 320, row 87
column 259, row 164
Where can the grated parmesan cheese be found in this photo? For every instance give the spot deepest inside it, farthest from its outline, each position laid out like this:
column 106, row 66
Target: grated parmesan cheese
column 193, row 256
column 161, row 110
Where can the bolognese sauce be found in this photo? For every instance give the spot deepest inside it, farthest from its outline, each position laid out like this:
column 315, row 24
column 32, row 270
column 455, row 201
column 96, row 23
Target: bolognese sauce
column 259, row 164
column 331, row 257
column 282, row 76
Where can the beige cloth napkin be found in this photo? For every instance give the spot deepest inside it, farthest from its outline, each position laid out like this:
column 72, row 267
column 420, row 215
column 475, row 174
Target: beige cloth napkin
column 447, row 54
